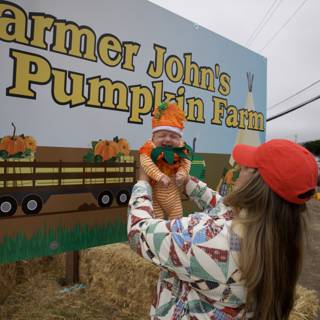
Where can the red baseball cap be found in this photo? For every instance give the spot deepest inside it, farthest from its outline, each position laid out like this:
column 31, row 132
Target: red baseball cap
column 286, row 167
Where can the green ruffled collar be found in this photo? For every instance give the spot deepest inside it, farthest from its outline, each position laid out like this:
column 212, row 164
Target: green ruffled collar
column 169, row 152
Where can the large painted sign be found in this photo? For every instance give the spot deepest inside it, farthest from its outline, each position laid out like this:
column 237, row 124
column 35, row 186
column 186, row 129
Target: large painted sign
column 78, row 85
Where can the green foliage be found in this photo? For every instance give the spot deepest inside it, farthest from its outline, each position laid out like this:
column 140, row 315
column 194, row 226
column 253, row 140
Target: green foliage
column 4, row 154
column 19, row 155
column 98, row 158
column 89, row 156
column 313, row 146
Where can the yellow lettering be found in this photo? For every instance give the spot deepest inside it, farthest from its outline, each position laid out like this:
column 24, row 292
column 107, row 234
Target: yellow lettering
column 130, row 50
column 243, row 115
column 232, row 117
column 224, row 86
column 195, row 110
column 75, row 95
column 110, row 50
column 174, row 62
column 180, row 97
column 219, row 106
column 81, row 40
column 155, row 67
column 141, row 103
column 191, row 68
column 256, row 121
column 114, row 94
column 13, row 23
column 169, row 96
column 207, row 79
column 157, row 89
column 41, row 23
column 28, row 69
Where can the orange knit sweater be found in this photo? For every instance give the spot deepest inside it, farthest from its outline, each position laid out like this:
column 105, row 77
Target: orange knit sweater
column 166, row 200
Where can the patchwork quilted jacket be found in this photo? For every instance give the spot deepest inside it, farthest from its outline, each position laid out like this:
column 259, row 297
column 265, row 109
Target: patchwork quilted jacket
column 197, row 255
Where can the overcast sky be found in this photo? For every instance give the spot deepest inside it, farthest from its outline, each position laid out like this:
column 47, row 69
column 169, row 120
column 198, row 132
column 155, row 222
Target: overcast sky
column 290, row 40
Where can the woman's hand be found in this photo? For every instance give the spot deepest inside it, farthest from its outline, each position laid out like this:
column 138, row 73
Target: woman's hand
column 143, row 176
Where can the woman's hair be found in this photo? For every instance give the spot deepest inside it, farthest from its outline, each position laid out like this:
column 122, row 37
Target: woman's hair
column 271, row 248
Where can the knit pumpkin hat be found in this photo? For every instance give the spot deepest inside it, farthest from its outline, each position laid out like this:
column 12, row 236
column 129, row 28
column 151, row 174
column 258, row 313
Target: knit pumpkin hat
column 169, row 117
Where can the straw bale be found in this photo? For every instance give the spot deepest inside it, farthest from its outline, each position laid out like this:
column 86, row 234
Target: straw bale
column 306, row 305
column 42, row 298
column 7, row 280
column 14, row 273
column 30, row 268
column 129, row 282
column 116, row 284
column 121, row 276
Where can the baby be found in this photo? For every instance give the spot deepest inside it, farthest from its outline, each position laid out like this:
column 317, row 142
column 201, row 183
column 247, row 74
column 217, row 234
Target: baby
column 166, row 160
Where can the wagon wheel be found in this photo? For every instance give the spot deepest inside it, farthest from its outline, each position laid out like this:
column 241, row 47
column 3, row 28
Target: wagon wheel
column 123, row 197
column 31, row 204
column 105, row 199
column 8, row 206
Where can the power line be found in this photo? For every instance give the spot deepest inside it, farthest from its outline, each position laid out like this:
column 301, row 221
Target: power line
column 284, row 25
column 293, row 95
column 294, row 108
column 263, row 22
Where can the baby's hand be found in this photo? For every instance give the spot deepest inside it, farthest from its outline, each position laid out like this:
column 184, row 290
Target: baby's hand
column 180, row 178
column 165, row 180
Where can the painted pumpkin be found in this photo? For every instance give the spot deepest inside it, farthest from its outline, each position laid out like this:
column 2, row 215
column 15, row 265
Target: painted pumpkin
column 124, row 147
column 30, row 143
column 106, row 149
column 13, row 144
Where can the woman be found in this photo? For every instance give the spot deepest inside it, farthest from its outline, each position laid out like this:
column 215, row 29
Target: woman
column 241, row 256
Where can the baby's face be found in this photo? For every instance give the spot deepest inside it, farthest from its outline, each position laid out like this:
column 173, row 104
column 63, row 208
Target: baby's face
column 164, row 138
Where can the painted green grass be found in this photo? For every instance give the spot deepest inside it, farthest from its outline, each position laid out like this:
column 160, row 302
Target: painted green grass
column 60, row 240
